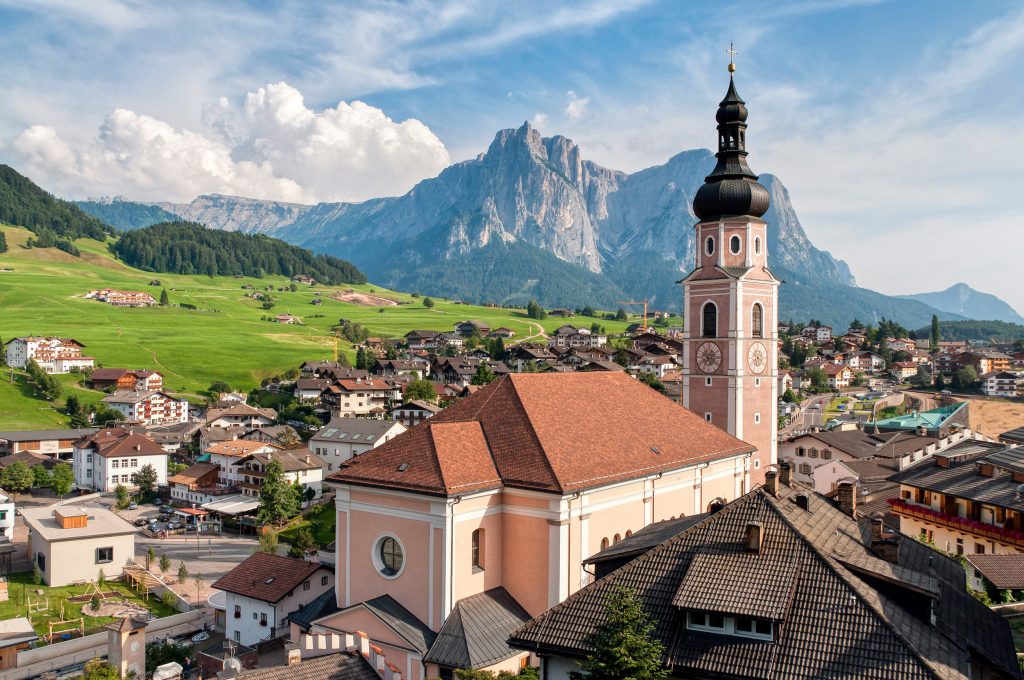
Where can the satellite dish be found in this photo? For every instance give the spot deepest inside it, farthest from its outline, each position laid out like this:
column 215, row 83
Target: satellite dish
column 232, row 664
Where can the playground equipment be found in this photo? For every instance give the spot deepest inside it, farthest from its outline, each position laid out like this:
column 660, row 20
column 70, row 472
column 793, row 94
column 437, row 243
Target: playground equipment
column 79, row 628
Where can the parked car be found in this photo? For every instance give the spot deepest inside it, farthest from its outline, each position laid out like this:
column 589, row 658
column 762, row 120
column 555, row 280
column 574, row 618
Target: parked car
column 172, row 526
column 166, row 509
column 133, row 506
column 141, row 522
column 164, row 517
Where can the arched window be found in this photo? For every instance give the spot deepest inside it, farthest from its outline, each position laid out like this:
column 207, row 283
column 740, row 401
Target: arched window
column 616, row 539
column 478, row 549
column 604, row 543
column 709, row 246
column 734, row 245
column 629, row 533
column 709, row 320
column 757, row 245
column 756, row 316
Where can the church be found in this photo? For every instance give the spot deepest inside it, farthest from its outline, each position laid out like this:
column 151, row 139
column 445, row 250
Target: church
column 457, row 532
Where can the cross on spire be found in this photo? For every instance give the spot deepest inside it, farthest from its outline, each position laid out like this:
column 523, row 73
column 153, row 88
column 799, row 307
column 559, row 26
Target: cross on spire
column 732, row 53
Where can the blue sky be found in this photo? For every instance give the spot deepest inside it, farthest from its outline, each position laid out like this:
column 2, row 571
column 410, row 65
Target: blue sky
column 895, row 125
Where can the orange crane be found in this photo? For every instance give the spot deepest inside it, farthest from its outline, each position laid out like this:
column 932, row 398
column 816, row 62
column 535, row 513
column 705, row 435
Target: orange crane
column 637, row 302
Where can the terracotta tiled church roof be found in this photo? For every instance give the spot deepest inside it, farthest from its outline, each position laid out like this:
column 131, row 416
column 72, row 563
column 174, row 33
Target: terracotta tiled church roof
column 550, row 432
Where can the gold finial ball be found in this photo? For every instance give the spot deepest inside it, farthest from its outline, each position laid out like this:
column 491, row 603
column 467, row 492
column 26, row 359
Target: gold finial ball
column 732, row 67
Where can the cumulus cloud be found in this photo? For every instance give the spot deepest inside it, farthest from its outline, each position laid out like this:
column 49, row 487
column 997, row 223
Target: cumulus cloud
column 577, row 106
column 275, row 147
column 539, row 120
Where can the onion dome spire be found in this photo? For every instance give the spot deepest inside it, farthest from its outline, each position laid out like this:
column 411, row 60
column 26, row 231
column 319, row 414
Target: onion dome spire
column 731, row 189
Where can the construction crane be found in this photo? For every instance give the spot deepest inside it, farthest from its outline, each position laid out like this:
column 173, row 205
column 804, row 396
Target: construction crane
column 637, row 302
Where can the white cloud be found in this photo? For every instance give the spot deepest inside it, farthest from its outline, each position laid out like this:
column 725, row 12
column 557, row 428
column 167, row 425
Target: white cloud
column 577, row 106
column 276, row 148
column 539, row 120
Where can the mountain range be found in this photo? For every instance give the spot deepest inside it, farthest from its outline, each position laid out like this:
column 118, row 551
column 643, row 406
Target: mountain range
column 963, row 300
column 531, row 218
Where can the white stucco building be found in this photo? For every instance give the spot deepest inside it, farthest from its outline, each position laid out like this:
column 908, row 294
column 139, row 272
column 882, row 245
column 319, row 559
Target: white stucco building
column 109, row 457
column 344, row 438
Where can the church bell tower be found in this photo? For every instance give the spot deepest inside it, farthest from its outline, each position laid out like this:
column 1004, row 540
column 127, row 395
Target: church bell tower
column 730, row 299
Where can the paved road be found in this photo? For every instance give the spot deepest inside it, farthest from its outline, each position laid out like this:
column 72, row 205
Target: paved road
column 213, row 557
column 809, row 416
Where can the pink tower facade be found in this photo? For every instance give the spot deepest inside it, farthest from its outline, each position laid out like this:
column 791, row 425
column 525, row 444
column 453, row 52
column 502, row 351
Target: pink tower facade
column 730, row 300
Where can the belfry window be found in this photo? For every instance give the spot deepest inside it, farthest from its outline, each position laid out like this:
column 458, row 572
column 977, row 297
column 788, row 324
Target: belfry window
column 734, row 245
column 709, row 246
column 709, row 320
column 756, row 325
column 757, row 245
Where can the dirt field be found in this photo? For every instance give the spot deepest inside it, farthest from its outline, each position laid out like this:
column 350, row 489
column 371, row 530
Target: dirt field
column 990, row 417
column 366, row 299
column 993, row 417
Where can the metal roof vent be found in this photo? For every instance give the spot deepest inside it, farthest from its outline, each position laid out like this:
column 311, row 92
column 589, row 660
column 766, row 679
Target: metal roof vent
column 403, row 467
column 656, row 450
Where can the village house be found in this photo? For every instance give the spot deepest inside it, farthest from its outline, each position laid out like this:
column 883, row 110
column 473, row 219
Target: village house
column 785, row 381
column 263, row 590
column 983, row 360
column 149, row 407
column 344, row 438
column 412, row 413
column 1000, row 384
column 122, row 298
column 16, row 634
column 901, row 344
column 903, row 370
column 7, row 516
column 359, row 397
column 503, row 333
column 390, row 368
column 199, row 484
column 839, row 376
column 869, row 362
column 54, row 355
column 817, row 334
column 109, row 457
column 965, row 501
column 311, row 389
column 521, row 355
column 569, row 336
column 287, row 319
column 783, row 583
column 469, row 328
column 423, row 339
column 122, row 379
column 443, row 509
column 242, row 415
column 657, row 366
column 70, row 543
column 225, row 454
column 299, row 465
column 55, row 444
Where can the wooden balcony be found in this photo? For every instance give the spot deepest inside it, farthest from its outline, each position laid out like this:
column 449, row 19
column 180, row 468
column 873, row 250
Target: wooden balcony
column 964, row 524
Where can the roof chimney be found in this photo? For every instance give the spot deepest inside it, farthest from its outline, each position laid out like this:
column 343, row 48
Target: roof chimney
column 884, row 544
column 753, row 538
column 771, row 481
column 785, row 470
column 847, row 497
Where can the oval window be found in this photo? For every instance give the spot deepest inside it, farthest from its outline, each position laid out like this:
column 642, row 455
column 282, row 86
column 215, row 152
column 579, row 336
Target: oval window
column 709, row 246
column 390, row 556
column 734, row 245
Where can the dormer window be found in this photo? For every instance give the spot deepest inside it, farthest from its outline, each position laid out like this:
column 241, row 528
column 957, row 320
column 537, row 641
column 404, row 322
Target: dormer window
column 739, row 626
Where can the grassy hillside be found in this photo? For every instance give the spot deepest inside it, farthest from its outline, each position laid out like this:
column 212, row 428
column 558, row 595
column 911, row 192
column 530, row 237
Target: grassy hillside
column 224, row 339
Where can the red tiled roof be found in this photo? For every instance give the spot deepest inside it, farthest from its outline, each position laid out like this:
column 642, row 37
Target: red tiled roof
column 550, row 432
column 266, row 577
column 120, row 442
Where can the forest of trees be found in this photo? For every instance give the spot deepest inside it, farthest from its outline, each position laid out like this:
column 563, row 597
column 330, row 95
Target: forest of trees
column 190, row 248
column 976, row 330
column 24, row 204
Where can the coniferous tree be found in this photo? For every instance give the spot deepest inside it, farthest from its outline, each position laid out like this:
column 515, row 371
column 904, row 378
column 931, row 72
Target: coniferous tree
column 164, row 300
column 936, row 334
column 624, row 645
column 277, row 499
column 3, row 242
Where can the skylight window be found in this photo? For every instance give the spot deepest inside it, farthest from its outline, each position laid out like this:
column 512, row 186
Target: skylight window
column 269, row 580
column 331, row 432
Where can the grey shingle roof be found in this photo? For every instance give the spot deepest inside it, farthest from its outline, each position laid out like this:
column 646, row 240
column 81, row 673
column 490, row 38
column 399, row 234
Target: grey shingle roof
column 1003, row 571
column 720, row 582
column 476, row 632
column 402, row 621
column 850, row 615
column 646, row 538
column 323, row 605
column 343, row 666
column 962, row 479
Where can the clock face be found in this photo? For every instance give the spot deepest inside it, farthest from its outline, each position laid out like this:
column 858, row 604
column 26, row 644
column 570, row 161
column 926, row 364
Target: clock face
column 757, row 357
column 709, row 357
